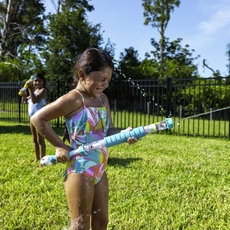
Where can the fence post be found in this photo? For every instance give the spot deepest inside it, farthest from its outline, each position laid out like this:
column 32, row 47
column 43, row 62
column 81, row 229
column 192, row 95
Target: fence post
column 229, row 126
column 3, row 102
column 58, row 90
column 115, row 107
column 19, row 103
column 210, row 114
column 19, row 109
column 148, row 108
column 169, row 97
column 180, row 112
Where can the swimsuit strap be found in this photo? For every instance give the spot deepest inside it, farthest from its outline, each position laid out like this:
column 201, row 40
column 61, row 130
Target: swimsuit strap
column 83, row 100
column 101, row 101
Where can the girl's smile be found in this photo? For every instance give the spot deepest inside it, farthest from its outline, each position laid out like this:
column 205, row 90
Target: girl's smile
column 96, row 82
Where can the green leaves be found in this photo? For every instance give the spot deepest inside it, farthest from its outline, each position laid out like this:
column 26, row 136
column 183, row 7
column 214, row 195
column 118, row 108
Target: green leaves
column 69, row 35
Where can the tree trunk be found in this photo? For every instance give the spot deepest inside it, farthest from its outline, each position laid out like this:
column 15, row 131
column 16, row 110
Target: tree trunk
column 5, row 30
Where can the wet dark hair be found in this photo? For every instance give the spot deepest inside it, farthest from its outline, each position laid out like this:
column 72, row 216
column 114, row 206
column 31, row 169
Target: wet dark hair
column 40, row 75
column 92, row 59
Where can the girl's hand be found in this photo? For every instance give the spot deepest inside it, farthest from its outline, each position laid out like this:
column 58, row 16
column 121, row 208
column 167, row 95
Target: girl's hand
column 130, row 140
column 29, row 84
column 62, row 155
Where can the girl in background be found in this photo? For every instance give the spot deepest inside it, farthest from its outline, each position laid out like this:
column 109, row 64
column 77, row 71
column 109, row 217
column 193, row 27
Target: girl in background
column 36, row 100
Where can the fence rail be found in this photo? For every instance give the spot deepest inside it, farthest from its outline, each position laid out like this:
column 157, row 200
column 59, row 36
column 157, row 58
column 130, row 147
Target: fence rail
column 198, row 107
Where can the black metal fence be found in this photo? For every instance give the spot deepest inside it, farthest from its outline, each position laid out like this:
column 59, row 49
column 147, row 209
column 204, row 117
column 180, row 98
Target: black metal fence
column 199, row 107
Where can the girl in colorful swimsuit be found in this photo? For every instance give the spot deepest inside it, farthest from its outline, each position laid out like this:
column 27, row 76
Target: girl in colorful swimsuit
column 87, row 118
column 36, row 100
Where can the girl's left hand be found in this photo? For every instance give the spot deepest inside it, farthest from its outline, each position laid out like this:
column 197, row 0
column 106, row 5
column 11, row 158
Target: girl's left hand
column 130, row 140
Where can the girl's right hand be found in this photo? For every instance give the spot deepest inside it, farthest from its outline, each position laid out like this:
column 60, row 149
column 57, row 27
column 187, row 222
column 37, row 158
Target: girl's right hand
column 29, row 84
column 62, row 154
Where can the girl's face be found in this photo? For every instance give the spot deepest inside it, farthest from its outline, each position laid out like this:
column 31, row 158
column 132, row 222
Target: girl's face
column 38, row 83
column 96, row 82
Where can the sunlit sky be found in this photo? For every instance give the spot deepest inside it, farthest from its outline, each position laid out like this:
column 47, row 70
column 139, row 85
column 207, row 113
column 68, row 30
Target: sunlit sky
column 202, row 24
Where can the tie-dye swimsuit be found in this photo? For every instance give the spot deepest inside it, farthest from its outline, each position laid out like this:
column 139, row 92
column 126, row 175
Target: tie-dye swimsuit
column 89, row 125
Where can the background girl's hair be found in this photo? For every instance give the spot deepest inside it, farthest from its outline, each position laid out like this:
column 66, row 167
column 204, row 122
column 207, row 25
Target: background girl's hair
column 40, row 75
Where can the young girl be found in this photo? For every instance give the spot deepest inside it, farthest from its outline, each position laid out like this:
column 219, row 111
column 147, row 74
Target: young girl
column 87, row 117
column 36, row 100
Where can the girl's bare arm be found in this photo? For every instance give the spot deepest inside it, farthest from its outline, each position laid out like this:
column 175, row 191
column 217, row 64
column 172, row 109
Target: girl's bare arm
column 61, row 107
column 36, row 98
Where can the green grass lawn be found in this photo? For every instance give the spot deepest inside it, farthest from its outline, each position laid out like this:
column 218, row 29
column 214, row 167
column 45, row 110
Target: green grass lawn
column 162, row 182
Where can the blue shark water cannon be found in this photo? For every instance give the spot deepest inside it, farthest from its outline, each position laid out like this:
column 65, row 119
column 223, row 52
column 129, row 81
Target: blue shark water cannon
column 25, row 87
column 114, row 139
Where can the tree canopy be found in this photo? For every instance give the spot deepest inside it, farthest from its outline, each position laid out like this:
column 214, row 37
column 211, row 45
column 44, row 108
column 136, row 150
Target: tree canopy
column 33, row 40
column 157, row 13
column 69, row 35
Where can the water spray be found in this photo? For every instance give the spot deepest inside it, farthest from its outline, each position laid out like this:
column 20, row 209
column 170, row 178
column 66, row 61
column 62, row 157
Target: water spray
column 114, row 139
column 201, row 114
column 142, row 90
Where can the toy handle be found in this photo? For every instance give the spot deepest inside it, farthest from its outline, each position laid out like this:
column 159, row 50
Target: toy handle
column 123, row 136
column 23, row 89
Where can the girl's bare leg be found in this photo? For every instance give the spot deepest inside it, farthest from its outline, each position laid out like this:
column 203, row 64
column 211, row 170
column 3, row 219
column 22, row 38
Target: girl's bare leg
column 79, row 192
column 36, row 146
column 99, row 220
column 41, row 145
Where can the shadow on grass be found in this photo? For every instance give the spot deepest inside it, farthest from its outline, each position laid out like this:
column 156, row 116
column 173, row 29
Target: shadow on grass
column 23, row 129
column 115, row 161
